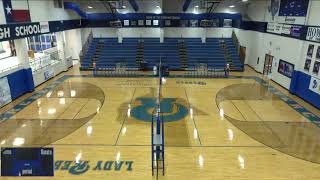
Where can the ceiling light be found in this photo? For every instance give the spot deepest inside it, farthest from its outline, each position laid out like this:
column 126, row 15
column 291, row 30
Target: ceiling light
column 196, row 6
column 158, row 6
column 232, row 6
column 90, row 7
column 124, row 7
column 244, row 0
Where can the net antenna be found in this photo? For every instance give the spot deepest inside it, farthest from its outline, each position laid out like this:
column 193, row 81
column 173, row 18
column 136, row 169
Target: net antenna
column 160, row 84
column 157, row 132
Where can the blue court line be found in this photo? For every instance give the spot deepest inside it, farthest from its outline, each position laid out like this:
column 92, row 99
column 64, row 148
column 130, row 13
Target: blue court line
column 11, row 112
column 297, row 107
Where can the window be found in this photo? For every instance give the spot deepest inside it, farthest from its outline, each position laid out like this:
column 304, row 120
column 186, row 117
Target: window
column 42, row 42
column 5, row 49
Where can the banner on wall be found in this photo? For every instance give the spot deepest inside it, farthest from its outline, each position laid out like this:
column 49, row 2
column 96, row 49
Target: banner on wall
column 5, row 94
column 275, row 28
column 10, row 31
column 287, row 11
column 313, row 34
column 314, row 85
column 291, row 30
column 285, row 29
column 44, row 26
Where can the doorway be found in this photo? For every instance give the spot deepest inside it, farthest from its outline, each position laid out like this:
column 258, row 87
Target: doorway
column 242, row 54
column 267, row 69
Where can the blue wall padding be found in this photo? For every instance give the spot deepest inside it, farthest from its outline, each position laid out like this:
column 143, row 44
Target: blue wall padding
column 300, row 86
column 29, row 79
column 20, row 82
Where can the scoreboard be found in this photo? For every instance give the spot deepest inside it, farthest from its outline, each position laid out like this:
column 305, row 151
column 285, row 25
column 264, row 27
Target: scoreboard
column 27, row 162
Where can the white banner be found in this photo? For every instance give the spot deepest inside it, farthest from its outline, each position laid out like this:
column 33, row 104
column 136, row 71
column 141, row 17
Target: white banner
column 313, row 34
column 44, row 26
column 5, row 94
column 314, row 85
column 292, row 19
column 286, row 29
column 274, row 28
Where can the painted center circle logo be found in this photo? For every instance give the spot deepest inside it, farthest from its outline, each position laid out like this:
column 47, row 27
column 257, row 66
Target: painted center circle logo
column 171, row 108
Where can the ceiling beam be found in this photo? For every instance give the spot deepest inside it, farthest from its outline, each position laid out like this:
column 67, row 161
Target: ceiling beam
column 134, row 5
column 75, row 7
column 186, row 5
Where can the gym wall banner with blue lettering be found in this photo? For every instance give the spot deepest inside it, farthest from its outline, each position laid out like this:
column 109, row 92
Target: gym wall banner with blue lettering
column 15, row 31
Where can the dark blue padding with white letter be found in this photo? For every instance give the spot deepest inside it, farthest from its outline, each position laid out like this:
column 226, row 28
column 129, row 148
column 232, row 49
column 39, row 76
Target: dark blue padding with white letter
column 300, row 86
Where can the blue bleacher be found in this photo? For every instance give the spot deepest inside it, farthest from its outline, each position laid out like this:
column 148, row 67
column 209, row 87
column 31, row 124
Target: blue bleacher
column 113, row 52
column 168, row 51
column 208, row 53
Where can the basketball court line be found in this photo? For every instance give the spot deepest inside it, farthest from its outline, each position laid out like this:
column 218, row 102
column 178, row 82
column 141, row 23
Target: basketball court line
column 268, row 127
column 173, row 146
column 126, row 117
column 260, row 120
column 194, row 123
column 70, row 106
column 296, row 106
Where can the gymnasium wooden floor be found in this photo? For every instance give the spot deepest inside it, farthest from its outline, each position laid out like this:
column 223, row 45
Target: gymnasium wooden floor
column 232, row 129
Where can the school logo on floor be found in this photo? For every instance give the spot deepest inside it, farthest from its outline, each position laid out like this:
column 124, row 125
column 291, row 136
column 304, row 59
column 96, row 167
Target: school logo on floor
column 82, row 167
column 171, row 108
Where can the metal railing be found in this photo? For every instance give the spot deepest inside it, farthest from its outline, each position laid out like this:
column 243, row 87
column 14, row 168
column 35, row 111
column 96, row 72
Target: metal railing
column 47, row 60
column 10, row 68
column 85, row 47
column 236, row 41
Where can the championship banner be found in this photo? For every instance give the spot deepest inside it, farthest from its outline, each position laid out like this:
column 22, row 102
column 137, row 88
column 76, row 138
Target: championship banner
column 287, row 11
column 5, row 94
column 315, row 85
